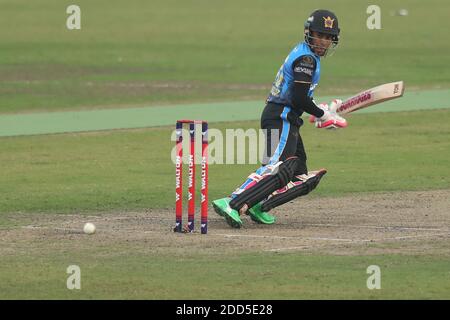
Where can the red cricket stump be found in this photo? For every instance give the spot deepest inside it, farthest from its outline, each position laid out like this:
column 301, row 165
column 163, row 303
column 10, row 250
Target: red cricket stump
column 204, row 190
column 179, row 177
column 191, row 177
column 191, row 181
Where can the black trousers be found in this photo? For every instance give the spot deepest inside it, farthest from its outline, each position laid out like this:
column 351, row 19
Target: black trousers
column 283, row 140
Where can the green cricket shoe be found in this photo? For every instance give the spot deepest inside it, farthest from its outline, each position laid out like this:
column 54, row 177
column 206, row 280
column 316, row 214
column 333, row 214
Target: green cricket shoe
column 259, row 216
column 222, row 208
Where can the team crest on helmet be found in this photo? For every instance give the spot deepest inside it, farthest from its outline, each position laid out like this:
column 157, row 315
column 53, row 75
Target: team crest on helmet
column 328, row 22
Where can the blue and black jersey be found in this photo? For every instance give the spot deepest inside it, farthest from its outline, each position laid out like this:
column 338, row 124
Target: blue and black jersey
column 295, row 82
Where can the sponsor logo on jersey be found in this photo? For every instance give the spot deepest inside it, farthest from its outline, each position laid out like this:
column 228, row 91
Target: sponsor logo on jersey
column 304, row 70
column 308, row 60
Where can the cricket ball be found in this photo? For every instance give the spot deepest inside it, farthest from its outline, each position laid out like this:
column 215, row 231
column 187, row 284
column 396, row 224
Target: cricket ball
column 89, row 228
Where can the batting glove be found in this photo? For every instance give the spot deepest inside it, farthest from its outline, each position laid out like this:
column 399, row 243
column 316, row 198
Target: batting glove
column 334, row 105
column 330, row 119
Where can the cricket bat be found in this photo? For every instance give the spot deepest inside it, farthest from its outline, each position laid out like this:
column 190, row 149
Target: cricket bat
column 366, row 98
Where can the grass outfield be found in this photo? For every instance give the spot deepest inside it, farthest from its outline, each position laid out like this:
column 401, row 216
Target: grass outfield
column 132, row 170
column 143, row 52
column 243, row 276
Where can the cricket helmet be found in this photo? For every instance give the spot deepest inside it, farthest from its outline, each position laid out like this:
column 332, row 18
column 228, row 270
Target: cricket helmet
column 323, row 21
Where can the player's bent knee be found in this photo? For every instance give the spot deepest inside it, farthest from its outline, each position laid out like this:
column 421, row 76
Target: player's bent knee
column 286, row 170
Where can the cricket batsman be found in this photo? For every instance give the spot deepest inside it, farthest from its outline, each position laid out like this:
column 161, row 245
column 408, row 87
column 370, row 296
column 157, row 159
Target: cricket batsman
column 283, row 175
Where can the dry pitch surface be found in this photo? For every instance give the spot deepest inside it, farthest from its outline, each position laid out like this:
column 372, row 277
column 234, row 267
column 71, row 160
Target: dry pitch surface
column 401, row 222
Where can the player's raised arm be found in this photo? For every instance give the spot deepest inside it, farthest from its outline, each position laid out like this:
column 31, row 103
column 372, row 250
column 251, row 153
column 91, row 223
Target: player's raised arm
column 323, row 115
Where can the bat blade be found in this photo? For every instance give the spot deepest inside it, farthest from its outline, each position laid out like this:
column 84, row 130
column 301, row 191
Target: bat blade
column 381, row 93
